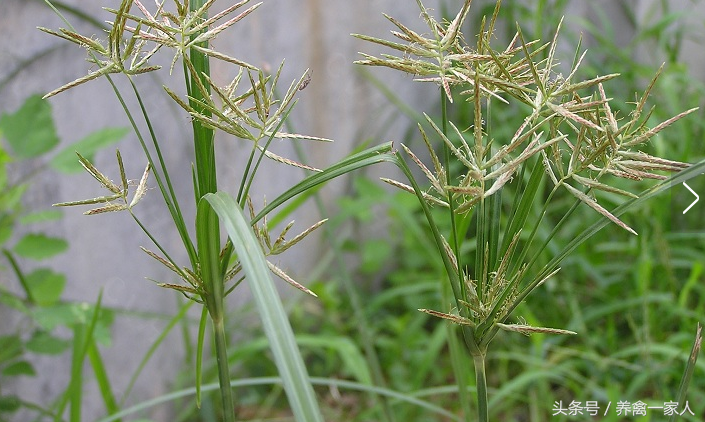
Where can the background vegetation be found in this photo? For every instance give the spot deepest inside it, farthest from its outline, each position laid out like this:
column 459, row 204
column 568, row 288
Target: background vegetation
column 634, row 301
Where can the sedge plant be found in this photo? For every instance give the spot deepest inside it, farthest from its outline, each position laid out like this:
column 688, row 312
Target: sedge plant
column 570, row 143
column 246, row 108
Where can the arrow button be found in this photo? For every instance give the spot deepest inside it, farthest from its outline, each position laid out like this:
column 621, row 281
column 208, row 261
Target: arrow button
column 697, row 198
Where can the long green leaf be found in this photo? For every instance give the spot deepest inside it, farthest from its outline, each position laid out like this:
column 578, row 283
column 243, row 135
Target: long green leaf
column 522, row 211
column 75, row 390
column 364, row 158
column 207, row 233
column 101, row 376
column 249, row 382
column 676, row 179
column 276, row 324
column 83, row 336
column 689, row 369
column 199, row 354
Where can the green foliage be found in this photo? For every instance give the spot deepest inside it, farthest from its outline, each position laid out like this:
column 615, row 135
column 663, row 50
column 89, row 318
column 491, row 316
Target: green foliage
column 65, row 161
column 547, row 311
column 248, row 108
column 274, row 320
column 45, row 286
column 39, row 246
column 633, row 301
column 44, row 343
column 30, row 131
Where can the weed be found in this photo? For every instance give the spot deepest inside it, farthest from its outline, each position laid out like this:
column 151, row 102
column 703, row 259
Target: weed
column 569, row 136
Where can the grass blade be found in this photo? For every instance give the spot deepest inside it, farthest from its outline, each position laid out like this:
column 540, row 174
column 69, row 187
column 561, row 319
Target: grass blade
column 676, row 179
column 199, row 354
column 82, row 339
column 288, row 358
column 101, row 375
column 689, row 369
column 410, row 398
column 362, row 159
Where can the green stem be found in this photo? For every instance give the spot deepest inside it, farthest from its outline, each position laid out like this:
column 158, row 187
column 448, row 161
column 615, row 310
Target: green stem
column 458, row 359
column 167, row 190
column 76, row 382
column 208, row 233
column 221, row 351
column 20, row 276
column 451, row 201
column 207, row 230
column 481, row 385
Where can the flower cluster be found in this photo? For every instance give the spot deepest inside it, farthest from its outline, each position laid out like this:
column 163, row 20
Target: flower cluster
column 578, row 136
column 570, row 134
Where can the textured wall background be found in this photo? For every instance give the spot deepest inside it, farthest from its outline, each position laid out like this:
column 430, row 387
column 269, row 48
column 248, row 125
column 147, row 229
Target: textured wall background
column 340, row 103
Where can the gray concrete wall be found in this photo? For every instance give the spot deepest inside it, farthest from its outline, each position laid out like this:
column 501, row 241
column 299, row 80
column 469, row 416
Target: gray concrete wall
column 339, row 103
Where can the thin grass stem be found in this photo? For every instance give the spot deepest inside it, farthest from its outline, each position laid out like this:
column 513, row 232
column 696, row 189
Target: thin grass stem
column 20, row 275
column 481, row 385
column 451, row 200
column 152, row 349
column 221, row 350
column 251, row 176
column 169, row 193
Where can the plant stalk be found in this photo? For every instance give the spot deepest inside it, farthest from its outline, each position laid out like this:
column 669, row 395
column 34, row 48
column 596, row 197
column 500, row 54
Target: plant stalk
column 208, row 234
column 221, row 350
column 481, row 385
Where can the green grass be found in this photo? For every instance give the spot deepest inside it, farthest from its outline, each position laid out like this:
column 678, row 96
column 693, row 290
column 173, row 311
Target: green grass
column 634, row 301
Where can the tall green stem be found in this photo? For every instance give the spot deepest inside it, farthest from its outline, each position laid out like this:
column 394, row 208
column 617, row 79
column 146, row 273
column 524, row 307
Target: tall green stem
column 481, row 385
column 221, row 350
column 208, row 234
column 451, row 201
column 202, row 136
column 456, row 351
column 207, row 228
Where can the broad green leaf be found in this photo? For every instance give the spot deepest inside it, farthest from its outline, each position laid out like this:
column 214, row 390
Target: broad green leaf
column 4, row 155
column 287, row 355
column 10, row 198
column 30, row 130
column 19, row 368
column 67, row 162
column 42, row 216
column 13, row 302
column 6, row 227
column 46, row 344
column 10, row 347
column 46, row 285
column 60, row 314
column 9, row 404
column 68, row 314
column 39, row 246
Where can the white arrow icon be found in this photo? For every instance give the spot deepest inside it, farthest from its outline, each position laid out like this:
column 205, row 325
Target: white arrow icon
column 697, row 198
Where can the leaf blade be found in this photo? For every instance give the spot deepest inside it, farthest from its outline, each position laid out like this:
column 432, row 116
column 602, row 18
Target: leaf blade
column 275, row 321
